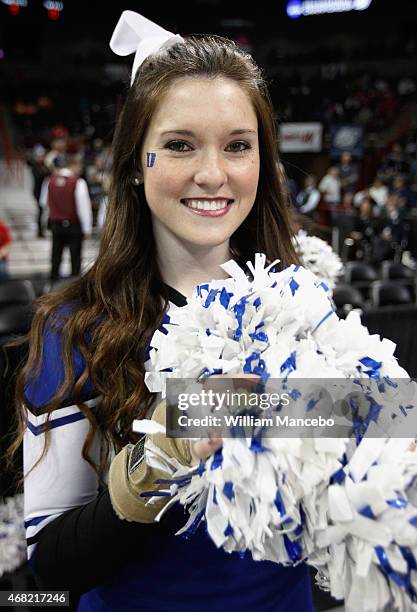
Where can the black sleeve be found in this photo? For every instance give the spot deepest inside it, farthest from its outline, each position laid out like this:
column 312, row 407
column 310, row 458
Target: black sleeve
column 85, row 546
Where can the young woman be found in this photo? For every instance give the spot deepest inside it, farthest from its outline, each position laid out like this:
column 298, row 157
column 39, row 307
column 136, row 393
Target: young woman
column 194, row 183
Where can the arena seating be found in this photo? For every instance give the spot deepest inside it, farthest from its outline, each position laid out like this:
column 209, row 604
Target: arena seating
column 346, row 297
column 16, row 292
column 390, row 293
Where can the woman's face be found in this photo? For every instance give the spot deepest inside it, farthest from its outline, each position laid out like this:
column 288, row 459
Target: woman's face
column 200, row 162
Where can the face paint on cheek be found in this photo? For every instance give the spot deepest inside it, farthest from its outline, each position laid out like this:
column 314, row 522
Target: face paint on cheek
column 150, row 159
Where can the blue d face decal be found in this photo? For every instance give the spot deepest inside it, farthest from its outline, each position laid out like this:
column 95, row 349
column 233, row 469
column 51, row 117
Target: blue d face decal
column 150, row 159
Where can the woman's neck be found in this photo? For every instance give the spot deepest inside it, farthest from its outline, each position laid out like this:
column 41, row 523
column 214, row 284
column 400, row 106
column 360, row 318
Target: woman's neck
column 191, row 267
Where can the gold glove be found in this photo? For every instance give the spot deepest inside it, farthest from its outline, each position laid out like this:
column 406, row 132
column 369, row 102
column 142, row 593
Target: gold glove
column 129, row 474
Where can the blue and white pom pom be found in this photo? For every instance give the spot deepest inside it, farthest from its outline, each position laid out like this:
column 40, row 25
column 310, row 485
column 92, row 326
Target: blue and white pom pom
column 345, row 506
column 12, row 534
column 318, row 257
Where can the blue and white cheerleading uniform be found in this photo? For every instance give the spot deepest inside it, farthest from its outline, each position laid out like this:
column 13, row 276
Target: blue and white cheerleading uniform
column 76, row 542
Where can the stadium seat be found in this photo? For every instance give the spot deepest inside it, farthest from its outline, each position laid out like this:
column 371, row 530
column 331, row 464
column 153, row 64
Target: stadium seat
column 359, row 271
column 391, row 270
column 12, row 358
column 385, row 293
column 360, row 274
column 15, row 292
column 15, row 320
column 401, row 274
column 346, row 297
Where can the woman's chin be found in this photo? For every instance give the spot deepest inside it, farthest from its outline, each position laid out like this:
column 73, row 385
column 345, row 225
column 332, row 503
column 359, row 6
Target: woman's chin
column 206, row 242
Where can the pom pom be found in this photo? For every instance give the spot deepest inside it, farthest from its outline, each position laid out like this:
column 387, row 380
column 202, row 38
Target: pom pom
column 318, row 257
column 12, row 534
column 343, row 505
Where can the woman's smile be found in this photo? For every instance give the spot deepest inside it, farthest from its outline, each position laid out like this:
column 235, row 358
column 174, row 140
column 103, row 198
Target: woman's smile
column 208, row 207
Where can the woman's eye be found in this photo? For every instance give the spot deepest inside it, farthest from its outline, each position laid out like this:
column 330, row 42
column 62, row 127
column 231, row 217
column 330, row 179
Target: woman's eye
column 238, row 147
column 178, row 145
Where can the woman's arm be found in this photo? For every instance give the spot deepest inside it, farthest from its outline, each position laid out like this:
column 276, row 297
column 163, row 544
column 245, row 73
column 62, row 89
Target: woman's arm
column 75, row 539
column 86, row 546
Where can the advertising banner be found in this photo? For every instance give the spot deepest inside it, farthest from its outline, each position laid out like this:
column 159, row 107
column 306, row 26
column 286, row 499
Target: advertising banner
column 347, row 137
column 300, row 137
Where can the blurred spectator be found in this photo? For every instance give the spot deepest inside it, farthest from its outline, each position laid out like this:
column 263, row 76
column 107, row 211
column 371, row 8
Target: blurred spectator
column 393, row 231
column 348, row 201
column 364, row 230
column 101, row 214
column 308, row 198
column 70, row 214
column 59, row 131
column 329, row 186
column 365, row 196
column 379, row 193
column 412, row 197
column 97, row 178
column 359, row 196
column 348, row 173
column 5, row 242
column 39, row 172
column 400, row 189
column 394, row 216
column 96, row 149
column 55, row 158
column 363, row 223
column 394, row 164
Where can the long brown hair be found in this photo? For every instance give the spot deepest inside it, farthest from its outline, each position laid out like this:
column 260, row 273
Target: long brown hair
column 116, row 306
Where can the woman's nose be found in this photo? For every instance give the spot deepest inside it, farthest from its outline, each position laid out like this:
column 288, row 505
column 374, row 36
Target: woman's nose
column 211, row 173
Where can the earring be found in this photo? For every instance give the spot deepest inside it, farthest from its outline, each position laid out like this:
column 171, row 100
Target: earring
column 136, row 181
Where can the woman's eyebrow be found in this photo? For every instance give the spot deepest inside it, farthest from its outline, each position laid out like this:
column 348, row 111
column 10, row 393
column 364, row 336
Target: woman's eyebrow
column 190, row 133
column 243, row 131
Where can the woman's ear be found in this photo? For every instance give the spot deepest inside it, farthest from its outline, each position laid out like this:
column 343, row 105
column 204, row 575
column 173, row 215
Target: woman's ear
column 137, row 173
column 137, row 176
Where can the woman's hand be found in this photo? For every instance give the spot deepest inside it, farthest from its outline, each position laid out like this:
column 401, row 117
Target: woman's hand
column 203, row 449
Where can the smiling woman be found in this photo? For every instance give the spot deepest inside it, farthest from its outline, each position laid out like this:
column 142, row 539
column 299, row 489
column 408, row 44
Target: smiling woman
column 194, row 183
column 204, row 183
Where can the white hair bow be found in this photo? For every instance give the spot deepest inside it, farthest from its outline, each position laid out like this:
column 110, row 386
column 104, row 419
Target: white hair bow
column 134, row 33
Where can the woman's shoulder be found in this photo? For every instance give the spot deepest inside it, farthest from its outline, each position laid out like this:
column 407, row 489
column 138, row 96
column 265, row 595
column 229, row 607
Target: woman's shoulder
column 44, row 381
column 62, row 313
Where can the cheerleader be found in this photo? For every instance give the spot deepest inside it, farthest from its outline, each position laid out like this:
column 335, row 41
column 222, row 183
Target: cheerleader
column 193, row 185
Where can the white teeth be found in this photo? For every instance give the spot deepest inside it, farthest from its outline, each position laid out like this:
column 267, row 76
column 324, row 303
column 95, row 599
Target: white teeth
column 206, row 204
